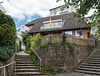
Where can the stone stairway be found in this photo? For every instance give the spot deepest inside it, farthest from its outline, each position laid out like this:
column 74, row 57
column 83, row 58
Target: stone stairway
column 91, row 65
column 25, row 67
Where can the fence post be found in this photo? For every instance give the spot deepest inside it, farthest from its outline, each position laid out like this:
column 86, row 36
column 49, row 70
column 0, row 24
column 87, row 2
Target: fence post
column 4, row 71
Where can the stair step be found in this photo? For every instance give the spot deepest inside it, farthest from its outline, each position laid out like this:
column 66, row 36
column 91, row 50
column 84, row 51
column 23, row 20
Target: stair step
column 24, row 64
column 91, row 64
column 88, row 72
column 95, row 67
column 21, row 59
column 18, row 67
column 22, row 55
column 25, row 67
column 93, row 60
column 26, row 70
column 89, row 69
column 28, row 73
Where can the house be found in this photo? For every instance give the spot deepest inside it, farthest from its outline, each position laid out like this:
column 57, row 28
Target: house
column 22, row 28
column 62, row 10
column 59, row 24
column 2, row 8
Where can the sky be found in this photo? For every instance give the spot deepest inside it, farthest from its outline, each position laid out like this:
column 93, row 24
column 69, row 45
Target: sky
column 23, row 11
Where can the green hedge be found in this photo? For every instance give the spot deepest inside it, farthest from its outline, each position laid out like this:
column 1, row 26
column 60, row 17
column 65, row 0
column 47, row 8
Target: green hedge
column 6, row 53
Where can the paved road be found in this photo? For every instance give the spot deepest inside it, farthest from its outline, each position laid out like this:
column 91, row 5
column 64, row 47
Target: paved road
column 74, row 74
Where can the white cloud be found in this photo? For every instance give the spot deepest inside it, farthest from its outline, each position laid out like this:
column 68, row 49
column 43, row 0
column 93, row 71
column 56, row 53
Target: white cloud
column 27, row 8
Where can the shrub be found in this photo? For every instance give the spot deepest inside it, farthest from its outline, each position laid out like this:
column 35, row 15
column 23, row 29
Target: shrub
column 22, row 49
column 25, row 37
column 28, row 46
column 6, row 19
column 37, row 39
column 58, row 69
column 7, row 35
column 5, row 53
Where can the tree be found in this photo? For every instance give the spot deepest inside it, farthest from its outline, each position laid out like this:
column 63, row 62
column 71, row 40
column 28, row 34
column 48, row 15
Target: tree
column 25, row 37
column 83, row 7
column 7, row 35
column 6, row 19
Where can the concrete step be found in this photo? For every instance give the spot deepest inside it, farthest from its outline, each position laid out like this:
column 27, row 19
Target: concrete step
column 24, row 64
column 88, row 72
column 92, row 62
column 95, row 58
column 90, row 69
column 22, row 55
column 26, row 70
column 23, row 67
column 94, row 67
column 21, row 59
column 25, row 58
column 27, row 73
column 86, row 64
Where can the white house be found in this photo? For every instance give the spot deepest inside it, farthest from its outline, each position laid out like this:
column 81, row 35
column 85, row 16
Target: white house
column 58, row 10
column 2, row 8
column 22, row 28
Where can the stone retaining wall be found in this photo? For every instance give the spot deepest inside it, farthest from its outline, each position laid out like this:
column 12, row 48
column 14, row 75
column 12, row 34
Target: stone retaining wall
column 55, row 57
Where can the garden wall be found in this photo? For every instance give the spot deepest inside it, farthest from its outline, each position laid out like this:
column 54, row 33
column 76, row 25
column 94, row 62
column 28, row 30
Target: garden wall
column 57, row 38
column 59, row 56
column 9, row 69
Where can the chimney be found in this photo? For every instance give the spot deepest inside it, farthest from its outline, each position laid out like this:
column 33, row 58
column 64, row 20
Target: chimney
column 85, row 19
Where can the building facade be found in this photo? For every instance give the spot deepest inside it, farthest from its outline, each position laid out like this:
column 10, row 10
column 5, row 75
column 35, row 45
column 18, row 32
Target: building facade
column 2, row 8
column 62, row 10
column 22, row 28
column 59, row 24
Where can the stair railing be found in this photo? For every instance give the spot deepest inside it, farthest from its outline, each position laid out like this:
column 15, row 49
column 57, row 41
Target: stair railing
column 38, row 58
column 4, row 68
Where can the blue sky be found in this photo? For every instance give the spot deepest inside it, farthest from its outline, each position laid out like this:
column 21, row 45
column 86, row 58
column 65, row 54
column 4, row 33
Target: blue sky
column 24, row 21
column 27, row 10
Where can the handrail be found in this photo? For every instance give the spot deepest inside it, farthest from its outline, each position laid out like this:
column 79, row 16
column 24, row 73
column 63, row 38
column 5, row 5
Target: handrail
column 38, row 57
column 6, row 66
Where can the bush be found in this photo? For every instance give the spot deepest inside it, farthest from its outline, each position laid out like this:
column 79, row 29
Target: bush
column 6, row 19
column 37, row 39
column 7, row 35
column 28, row 46
column 25, row 37
column 22, row 49
column 5, row 53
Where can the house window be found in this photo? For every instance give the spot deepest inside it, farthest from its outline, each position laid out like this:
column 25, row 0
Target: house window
column 68, row 32
column 54, row 24
column 22, row 26
column 54, row 12
column 79, row 34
